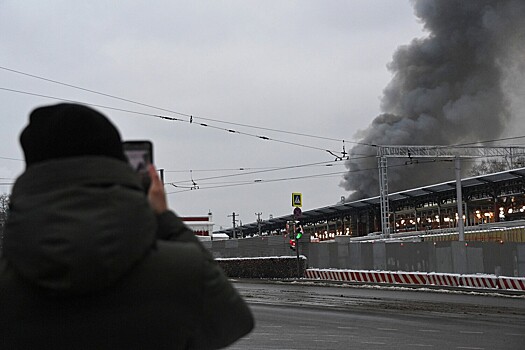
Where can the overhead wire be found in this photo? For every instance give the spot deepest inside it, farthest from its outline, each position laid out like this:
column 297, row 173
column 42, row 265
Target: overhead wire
column 257, row 172
column 10, row 158
column 172, row 119
column 217, row 170
column 490, row 141
column 192, row 118
column 187, row 115
column 260, row 181
column 326, row 163
column 180, row 181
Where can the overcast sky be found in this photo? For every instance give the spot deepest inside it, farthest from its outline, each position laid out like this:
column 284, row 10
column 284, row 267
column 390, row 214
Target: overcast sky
column 308, row 67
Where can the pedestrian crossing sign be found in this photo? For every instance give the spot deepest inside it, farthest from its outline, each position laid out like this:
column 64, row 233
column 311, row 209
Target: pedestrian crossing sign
column 297, row 199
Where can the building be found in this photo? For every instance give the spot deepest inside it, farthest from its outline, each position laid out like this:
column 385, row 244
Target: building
column 202, row 226
column 490, row 198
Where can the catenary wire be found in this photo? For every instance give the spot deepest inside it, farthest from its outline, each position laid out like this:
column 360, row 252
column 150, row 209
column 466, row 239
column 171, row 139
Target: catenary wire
column 210, row 126
column 188, row 115
column 232, row 184
column 332, row 152
column 490, row 141
column 268, row 169
column 10, row 158
column 260, row 181
column 210, row 119
column 179, row 113
column 255, row 172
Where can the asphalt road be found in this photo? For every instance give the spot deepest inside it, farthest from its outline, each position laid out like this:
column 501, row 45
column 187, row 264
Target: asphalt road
column 296, row 316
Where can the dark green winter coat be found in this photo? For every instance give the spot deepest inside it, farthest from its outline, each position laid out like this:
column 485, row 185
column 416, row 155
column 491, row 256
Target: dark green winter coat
column 87, row 265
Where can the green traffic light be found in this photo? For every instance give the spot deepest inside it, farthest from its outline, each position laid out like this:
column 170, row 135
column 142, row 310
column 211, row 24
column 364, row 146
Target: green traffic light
column 298, row 235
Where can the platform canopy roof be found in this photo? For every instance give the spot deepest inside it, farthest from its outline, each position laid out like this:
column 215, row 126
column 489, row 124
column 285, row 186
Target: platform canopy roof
column 338, row 210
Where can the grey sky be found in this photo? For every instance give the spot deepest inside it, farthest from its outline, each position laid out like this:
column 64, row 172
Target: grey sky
column 312, row 67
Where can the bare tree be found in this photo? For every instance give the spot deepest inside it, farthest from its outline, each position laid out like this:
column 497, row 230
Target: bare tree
column 493, row 166
column 488, row 166
column 4, row 209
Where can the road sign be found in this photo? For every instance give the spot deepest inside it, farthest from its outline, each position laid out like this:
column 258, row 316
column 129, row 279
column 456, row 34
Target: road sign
column 297, row 199
column 297, row 212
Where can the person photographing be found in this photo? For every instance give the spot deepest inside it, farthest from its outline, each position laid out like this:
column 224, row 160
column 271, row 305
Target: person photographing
column 90, row 261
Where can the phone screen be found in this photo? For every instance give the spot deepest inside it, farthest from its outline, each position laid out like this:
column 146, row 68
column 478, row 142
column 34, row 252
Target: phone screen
column 140, row 156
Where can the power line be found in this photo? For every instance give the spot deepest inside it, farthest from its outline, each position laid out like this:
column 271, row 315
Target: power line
column 208, row 119
column 216, row 170
column 192, row 117
column 79, row 102
column 260, row 171
column 327, row 163
column 180, row 183
column 202, row 118
column 240, row 168
column 260, row 181
column 9, row 158
column 174, row 119
column 489, row 141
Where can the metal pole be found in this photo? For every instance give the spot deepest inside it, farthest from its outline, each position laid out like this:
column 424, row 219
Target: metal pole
column 383, row 193
column 234, row 233
column 297, row 252
column 258, row 222
column 298, row 259
column 467, row 216
column 439, row 213
column 459, row 200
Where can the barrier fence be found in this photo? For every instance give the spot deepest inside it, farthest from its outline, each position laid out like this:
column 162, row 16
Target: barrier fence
column 491, row 282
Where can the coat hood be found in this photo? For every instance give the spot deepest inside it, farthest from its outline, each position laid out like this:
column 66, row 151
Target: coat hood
column 77, row 225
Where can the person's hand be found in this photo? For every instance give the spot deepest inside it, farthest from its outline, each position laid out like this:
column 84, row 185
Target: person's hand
column 156, row 194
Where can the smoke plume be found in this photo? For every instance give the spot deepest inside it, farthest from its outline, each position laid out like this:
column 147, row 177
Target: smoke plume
column 447, row 88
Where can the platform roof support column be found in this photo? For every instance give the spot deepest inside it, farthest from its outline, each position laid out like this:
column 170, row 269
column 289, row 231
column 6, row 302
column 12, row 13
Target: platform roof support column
column 459, row 199
column 383, row 194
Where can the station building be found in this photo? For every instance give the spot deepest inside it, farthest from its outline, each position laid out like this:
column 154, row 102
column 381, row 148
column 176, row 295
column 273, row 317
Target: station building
column 487, row 199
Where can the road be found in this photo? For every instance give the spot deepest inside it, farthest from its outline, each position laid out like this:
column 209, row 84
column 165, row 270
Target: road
column 297, row 316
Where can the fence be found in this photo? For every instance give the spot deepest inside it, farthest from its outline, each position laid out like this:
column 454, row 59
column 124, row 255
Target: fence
column 495, row 258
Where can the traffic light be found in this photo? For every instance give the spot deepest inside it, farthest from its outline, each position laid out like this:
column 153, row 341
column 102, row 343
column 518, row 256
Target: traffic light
column 298, row 232
column 292, row 244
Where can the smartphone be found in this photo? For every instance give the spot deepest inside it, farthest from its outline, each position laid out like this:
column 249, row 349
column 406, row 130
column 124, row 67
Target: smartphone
column 140, row 156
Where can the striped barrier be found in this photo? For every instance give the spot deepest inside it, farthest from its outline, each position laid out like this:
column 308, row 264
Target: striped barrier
column 491, row 282
column 417, row 278
column 512, row 283
column 443, row 279
column 479, row 281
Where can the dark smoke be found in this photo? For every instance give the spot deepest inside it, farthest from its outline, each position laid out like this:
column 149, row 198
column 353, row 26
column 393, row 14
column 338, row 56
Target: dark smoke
column 447, row 88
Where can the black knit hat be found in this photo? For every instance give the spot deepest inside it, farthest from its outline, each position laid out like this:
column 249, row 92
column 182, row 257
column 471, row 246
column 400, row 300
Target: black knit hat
column 69, row 130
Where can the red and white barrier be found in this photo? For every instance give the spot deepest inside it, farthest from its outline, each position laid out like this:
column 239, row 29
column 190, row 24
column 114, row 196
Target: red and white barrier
column 443, row 279
column 512, row 283
column 419, row 278
column 479, row 281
